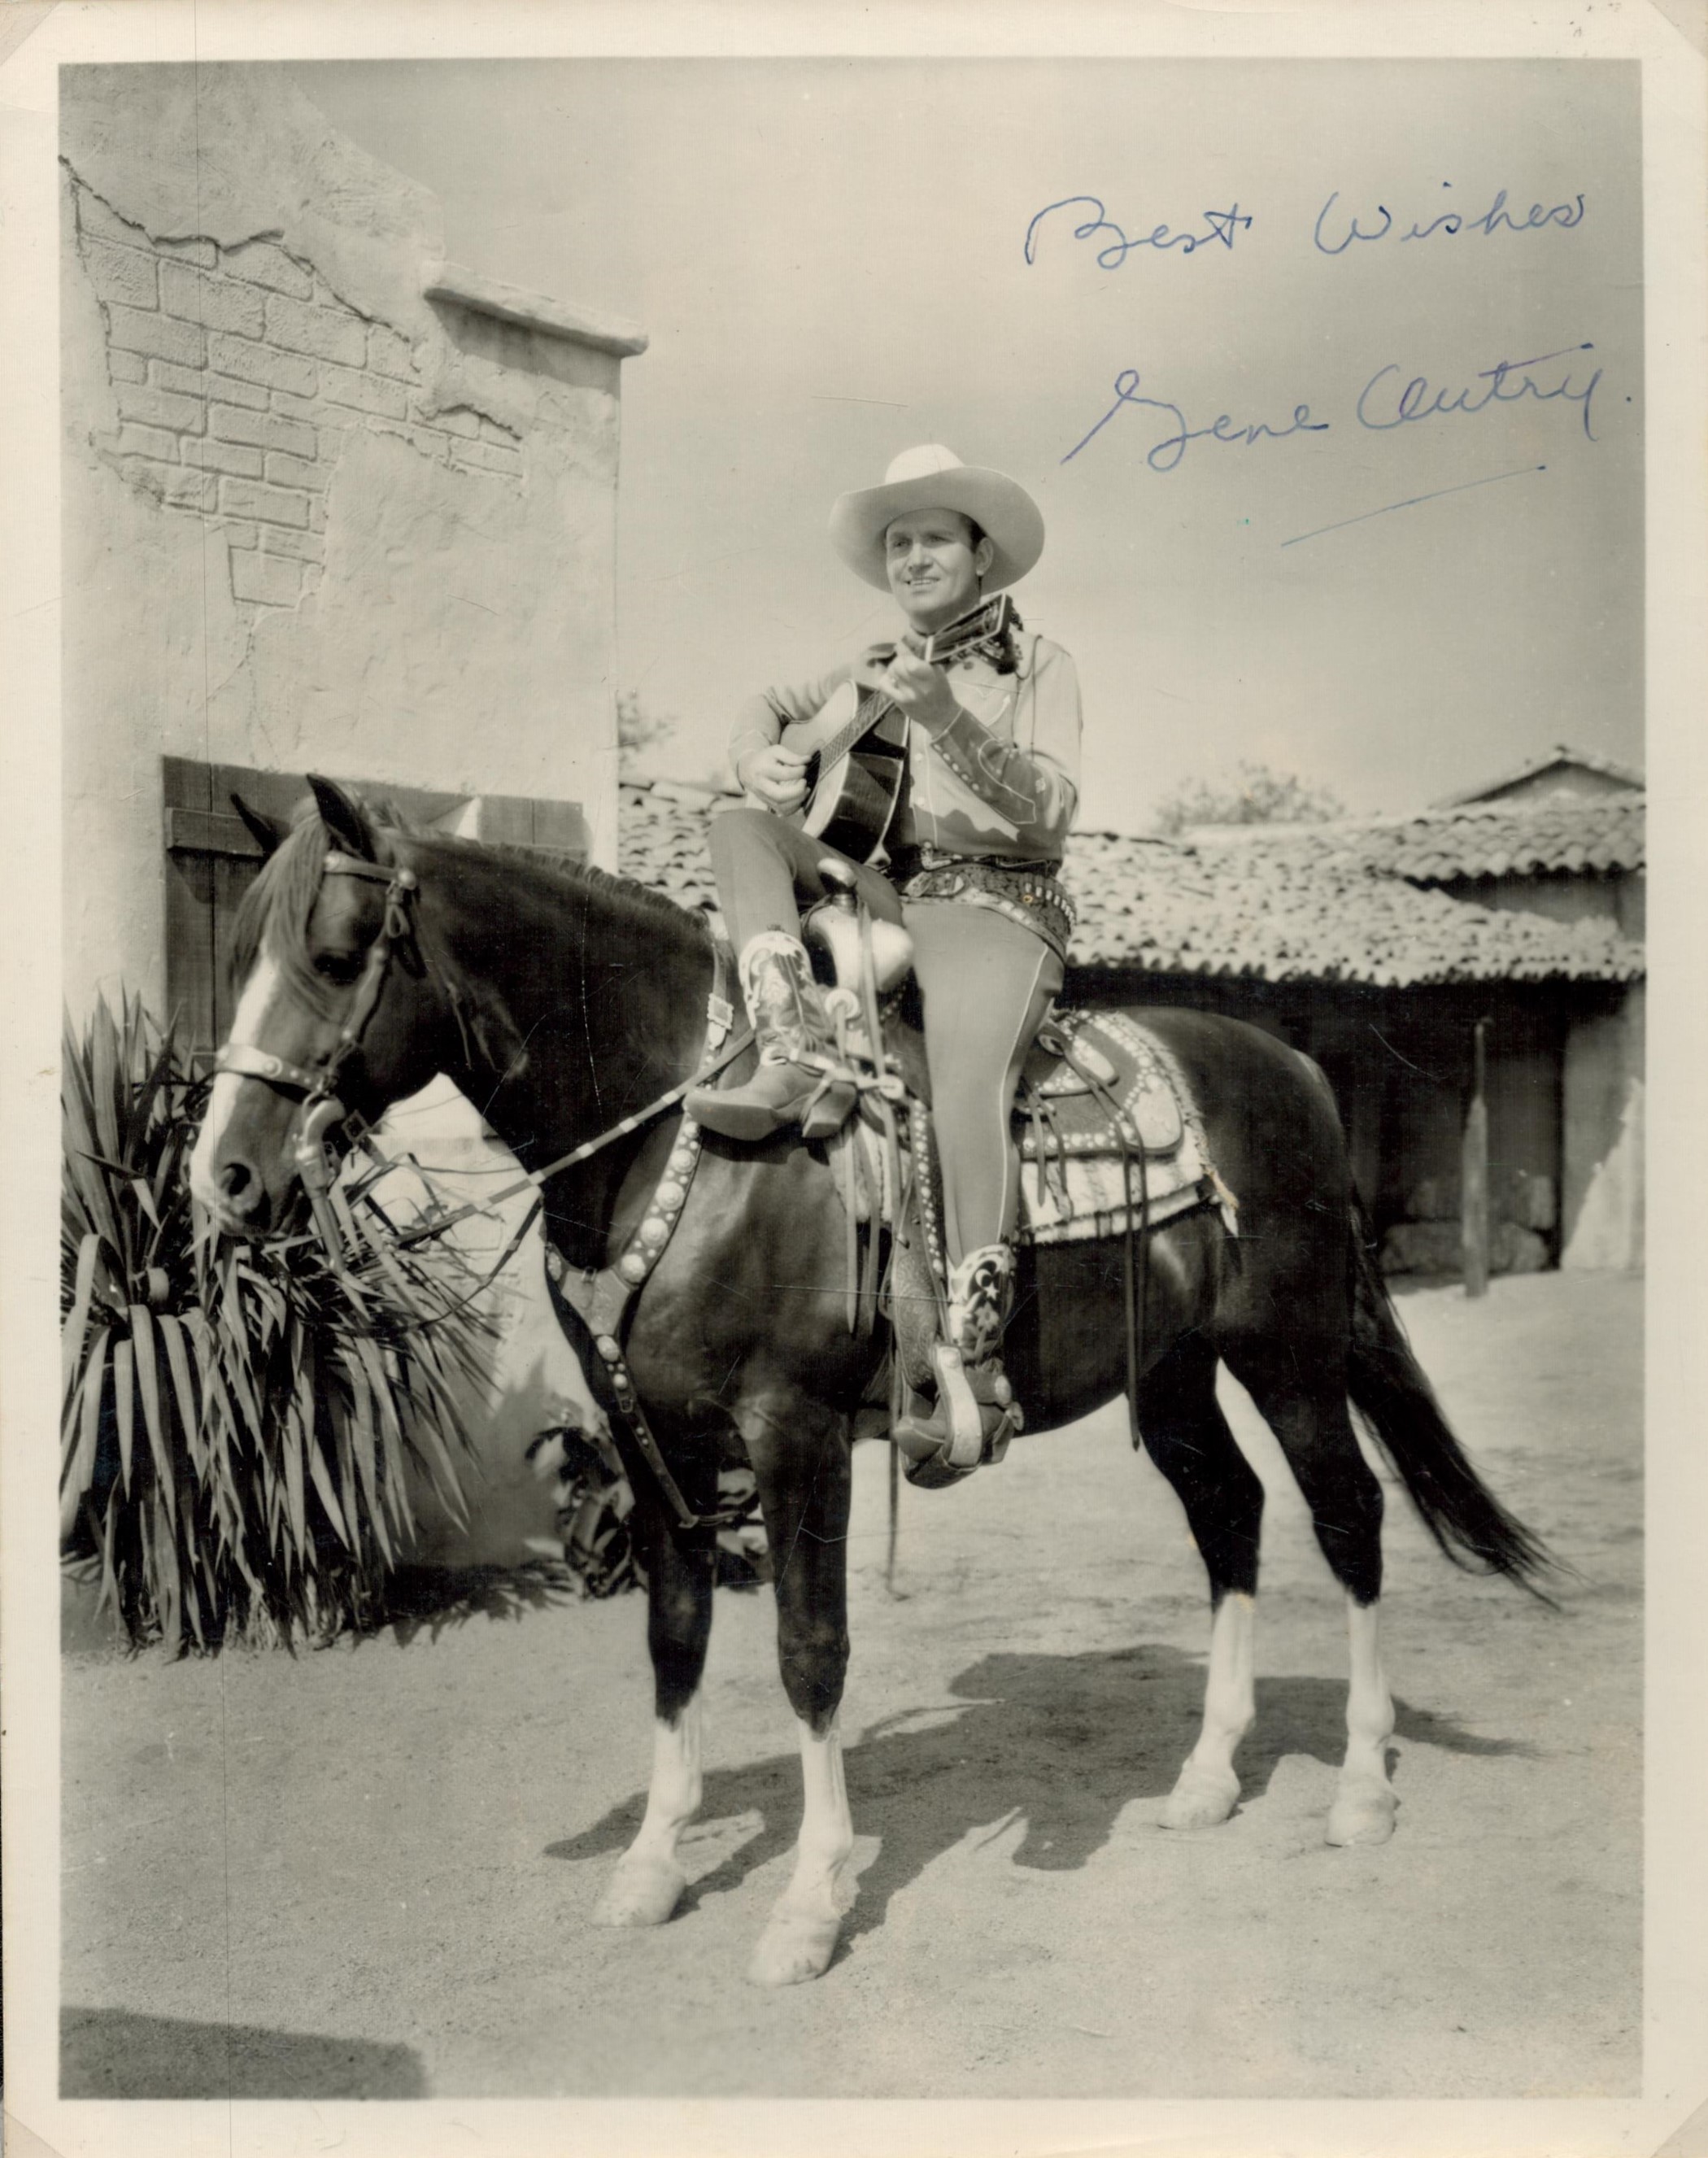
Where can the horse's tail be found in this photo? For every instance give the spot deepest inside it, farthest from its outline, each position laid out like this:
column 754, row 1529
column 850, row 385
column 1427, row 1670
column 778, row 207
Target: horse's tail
column 1390, row 1392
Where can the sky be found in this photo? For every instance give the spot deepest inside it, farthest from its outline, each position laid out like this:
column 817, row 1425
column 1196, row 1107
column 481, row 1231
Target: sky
column 834, row 260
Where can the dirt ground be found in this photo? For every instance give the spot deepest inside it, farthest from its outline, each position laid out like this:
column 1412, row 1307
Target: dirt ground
column 369, row 1871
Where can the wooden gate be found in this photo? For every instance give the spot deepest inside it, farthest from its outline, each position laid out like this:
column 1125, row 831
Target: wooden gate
column 212, row 860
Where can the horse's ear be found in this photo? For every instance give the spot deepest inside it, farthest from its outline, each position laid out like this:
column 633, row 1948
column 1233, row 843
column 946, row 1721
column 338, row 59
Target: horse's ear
column 343, row 817
column 267, row 835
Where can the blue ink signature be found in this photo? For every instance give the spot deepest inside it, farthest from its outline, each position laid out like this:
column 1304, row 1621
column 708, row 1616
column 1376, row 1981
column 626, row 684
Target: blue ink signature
column 1222, row 223
column 1505, row 382
column 1495, row 219
column 1165, row 455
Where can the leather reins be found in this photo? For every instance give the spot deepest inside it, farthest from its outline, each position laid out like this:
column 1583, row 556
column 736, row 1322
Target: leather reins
column 322, row 1109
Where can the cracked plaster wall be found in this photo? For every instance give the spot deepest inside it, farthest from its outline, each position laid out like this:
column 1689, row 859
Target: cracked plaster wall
column 310, row 519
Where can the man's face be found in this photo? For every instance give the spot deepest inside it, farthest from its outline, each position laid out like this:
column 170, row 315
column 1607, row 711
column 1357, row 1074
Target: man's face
column 934, row 565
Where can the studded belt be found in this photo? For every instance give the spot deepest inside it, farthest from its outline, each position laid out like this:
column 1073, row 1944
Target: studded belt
column 1029, row 893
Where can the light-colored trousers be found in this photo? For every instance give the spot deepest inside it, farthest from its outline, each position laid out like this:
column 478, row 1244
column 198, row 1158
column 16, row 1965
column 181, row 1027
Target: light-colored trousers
column 985, row 983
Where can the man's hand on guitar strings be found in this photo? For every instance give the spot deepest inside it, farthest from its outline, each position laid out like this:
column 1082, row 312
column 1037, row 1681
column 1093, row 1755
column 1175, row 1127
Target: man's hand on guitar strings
column 777, row 776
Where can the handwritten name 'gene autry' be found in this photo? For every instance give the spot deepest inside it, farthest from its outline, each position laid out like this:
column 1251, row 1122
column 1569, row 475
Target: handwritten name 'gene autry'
column 1385, row 402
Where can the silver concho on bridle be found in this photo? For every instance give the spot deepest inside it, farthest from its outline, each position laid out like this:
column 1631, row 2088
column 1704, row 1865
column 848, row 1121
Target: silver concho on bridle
column 322, row 1109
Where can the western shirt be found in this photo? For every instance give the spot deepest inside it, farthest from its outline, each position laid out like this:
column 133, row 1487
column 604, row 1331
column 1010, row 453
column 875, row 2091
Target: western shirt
column 1000, row 780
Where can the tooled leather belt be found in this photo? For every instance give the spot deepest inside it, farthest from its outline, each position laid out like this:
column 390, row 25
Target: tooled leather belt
column 1029, row 893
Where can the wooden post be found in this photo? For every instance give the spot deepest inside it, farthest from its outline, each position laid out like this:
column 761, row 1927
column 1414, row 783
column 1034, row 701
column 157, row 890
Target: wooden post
column 1474, row 1175
column 895, row 1515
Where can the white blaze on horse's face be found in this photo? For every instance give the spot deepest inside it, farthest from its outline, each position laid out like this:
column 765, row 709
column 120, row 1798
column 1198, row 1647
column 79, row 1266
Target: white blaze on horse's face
column 227, row 1184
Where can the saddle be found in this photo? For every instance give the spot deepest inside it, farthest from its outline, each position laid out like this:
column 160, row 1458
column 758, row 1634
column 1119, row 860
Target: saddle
column 1104, row 1126
column 1107, row 1136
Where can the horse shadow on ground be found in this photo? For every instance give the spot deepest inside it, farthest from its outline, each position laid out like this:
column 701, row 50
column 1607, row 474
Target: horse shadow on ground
column 111, row 2053
column 1061, row 1744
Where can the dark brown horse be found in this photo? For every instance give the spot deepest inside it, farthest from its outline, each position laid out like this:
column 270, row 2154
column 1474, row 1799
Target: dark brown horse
column 560, row 1003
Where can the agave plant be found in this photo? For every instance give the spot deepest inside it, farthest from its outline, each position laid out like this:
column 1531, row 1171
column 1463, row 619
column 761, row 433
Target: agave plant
column 240, row 1423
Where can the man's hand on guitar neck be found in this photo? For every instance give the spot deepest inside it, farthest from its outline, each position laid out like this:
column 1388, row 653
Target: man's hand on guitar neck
column 920, row 690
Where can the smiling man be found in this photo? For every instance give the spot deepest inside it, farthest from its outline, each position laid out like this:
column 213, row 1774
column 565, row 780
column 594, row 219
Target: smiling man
column 989, row 774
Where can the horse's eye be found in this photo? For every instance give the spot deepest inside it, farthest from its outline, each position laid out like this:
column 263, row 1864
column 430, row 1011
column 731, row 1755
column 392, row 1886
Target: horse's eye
column 339, row 967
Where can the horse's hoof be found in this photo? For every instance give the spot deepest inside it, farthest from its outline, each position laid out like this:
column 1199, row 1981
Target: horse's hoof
column 1202, row 1798
column 793, row 1948
column 1362, row 1813
column 642, row 1891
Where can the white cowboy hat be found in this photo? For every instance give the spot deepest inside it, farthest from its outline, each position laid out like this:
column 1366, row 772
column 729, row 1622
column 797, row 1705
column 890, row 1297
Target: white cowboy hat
column 932, row 477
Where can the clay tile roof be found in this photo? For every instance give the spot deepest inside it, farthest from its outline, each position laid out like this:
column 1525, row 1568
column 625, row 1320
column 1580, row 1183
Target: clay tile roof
column 1276, row 903
column 1557, row 835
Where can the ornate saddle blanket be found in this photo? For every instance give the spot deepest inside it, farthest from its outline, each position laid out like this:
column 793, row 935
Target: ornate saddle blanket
column 1093, row 1079
column 1107, row 1130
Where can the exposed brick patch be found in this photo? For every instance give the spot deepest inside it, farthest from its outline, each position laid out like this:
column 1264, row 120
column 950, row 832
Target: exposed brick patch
column 161, row 408
column 266, row 430
column 232, row 390
column 340, row 337
column 146, row 443
column 294, row 407
column 193, row 382
column 237, row 459
column 202, row 252
column 261, row 364
column 157, row 335
column 122, row 273
column 274, row 505
column 367, row 393
column 263, row 263
column 220, row 303
column 287, row 470
column 239, row 376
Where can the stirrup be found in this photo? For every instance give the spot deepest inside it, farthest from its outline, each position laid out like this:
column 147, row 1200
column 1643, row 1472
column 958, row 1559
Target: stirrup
column 968, row 1427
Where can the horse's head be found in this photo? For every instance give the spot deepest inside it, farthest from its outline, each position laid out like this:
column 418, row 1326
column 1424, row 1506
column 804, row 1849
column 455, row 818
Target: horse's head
column 336, row 1011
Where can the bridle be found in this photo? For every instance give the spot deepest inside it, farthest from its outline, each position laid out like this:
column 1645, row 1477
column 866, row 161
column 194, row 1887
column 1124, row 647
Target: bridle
column 321, row 1110
column 317, row 1082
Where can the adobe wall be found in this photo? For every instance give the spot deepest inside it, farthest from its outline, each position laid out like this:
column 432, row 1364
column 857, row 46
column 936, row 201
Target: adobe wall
column 312, row 517
column 1602, row 1173
column 328, row 505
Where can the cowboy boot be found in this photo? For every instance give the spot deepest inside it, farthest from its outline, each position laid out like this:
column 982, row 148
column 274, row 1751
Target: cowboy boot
column 975, row 1414
column 792, row 1029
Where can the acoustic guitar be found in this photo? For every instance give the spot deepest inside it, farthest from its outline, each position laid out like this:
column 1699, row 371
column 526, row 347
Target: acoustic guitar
column 856, row 746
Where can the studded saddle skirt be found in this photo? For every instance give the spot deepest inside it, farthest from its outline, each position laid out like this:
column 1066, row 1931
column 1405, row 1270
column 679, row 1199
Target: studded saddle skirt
column 1095, row 1079
column 1077, row 1182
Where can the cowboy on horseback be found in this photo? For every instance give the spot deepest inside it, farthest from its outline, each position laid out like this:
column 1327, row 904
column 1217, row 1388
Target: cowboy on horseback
column 967, row 870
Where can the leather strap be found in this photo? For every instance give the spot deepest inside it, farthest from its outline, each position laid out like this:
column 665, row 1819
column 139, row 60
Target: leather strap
column 603, row 1299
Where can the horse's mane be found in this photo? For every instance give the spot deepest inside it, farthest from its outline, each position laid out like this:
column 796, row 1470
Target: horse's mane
column 280, row 904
